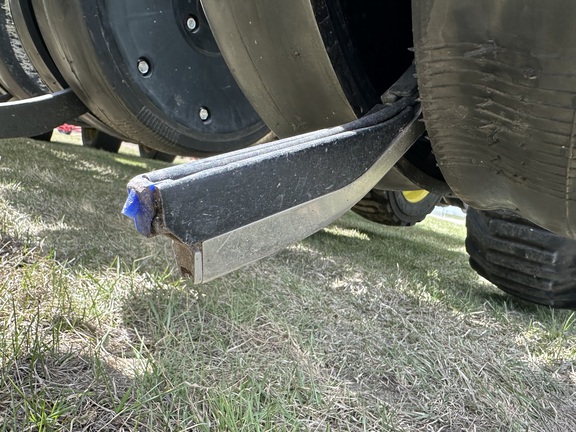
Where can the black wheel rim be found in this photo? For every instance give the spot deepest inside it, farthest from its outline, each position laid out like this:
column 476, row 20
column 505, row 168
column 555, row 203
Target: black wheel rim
column 150, row 76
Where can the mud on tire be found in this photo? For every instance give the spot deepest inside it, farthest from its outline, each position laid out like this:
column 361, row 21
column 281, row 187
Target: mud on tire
column 497, row 82
column 521, row 258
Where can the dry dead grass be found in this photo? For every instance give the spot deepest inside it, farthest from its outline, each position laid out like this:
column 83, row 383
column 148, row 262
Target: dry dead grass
column 359, row 327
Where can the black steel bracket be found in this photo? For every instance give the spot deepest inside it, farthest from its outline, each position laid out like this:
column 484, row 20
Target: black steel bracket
column 34, row 116
column 227, row 211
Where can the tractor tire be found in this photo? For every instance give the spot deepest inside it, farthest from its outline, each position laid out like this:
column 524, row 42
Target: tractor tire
column 148, row 153
column 497, row 80
column 96, row 139
column 521, row 258
column 395, row 208
column 334, row 74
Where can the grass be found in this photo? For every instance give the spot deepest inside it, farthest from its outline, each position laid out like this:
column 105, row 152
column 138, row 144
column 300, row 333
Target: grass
column 359, row 327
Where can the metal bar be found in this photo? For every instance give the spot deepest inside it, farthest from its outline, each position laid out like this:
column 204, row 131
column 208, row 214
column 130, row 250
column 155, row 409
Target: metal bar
column 34, row 116
column 230, row 210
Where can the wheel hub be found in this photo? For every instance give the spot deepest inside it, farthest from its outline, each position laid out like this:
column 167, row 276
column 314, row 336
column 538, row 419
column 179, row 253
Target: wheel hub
column 415, row 196
column 167, row 73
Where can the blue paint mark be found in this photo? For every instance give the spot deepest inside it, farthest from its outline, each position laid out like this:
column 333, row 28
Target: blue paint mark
column 132, row 205
column 140, row 208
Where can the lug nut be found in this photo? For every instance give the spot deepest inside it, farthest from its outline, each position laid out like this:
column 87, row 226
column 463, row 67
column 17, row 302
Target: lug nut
column 191, row 23
column 204, row 114
column 143, row 67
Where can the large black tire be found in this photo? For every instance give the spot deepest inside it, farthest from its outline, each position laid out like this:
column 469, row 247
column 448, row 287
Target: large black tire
column 394, row 208
column 497, row 80
column 96, row 139
column 151, row 71
column 311, row 64
column 521, row 258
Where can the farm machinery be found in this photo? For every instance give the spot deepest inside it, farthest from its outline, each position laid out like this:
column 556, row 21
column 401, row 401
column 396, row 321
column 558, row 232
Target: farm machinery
column 301, row 110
